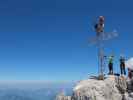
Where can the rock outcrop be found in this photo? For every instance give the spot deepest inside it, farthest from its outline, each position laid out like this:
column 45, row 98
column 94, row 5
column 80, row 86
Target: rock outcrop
column 99, row 89
column 112, row 88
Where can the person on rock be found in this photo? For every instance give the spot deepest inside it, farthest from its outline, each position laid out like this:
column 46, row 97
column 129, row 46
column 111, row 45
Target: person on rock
column 130, row 73
column 122, row 65
column 110, row 65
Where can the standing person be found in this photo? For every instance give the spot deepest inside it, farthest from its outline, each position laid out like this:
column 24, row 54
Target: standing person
column 110, row 65
column 130, row 73
column 122, row 65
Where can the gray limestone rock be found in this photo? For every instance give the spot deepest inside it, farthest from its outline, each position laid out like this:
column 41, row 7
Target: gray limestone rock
column 111, row 88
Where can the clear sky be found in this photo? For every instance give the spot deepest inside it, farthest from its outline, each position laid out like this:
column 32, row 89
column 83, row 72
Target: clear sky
column 48, row 39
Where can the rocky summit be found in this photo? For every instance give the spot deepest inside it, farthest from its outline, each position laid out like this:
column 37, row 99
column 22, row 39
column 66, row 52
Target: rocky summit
column 111, row 88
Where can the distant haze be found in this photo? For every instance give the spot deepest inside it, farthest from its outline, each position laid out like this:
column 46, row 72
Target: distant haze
column 34, row 84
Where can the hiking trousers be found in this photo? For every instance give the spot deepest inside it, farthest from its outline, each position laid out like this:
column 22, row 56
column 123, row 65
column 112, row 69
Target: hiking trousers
column 110, row 68
column 123, row 70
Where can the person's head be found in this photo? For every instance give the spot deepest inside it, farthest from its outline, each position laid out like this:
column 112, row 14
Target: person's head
column 111, row 57
column 101, row 18
column 121, row 56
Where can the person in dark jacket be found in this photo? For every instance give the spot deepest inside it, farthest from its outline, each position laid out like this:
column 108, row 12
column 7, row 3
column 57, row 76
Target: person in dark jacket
column 122, row 65
column 110, row 65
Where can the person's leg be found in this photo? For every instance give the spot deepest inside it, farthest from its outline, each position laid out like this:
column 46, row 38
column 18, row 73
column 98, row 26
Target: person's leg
column 124, row 69
column 109, row 68
column 121, row 69
column 112, row 69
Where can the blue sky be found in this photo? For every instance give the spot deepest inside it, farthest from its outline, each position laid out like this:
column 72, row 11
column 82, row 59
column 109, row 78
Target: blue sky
column 48, row 39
